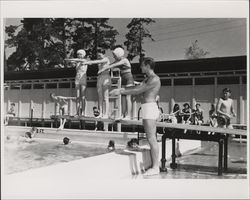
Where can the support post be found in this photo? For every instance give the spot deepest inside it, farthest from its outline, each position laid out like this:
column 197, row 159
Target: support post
column 220, row 157
column 163, row 153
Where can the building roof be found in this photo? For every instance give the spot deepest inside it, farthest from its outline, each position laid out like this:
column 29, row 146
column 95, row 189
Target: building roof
column 176, row 66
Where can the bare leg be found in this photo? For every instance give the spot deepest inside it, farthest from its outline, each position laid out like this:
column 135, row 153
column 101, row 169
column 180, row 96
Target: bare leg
column 64, row 112
column 83, row 90
column 106, row 102
column 129, row 106
column 100, row 100
column 150, row 129
column 77, row 99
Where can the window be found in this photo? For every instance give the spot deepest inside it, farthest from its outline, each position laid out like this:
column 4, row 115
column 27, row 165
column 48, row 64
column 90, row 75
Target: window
column 166, row 82
column 15, row 86
column 38, row 86
column 26, row 86
column 183, row 81
column 51, row 85
column 64, row 85
column 204, row 81
column 228, row 80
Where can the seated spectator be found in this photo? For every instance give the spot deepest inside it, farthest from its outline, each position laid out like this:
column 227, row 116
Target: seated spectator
column 198, row 115
column 10, row 113
column 213, row 116
column 186, row 113
column 177, row 113
column 157, row 99
column 98, row 124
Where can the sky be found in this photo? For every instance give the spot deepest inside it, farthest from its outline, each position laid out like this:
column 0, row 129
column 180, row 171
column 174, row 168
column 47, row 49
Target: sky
column 221, row 37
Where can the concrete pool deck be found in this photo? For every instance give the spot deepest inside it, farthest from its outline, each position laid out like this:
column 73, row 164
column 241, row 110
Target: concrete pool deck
column 64, row 180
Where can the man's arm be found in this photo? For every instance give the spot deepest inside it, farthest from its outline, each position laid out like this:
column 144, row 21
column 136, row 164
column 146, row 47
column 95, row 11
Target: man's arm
column 138, row 89
column 232, row 110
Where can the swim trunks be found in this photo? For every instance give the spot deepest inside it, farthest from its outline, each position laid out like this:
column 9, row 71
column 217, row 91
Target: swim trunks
column 150, row 111
column 222, row 121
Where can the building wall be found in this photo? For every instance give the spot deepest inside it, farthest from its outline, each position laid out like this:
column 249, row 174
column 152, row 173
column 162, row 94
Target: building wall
column 39, row 99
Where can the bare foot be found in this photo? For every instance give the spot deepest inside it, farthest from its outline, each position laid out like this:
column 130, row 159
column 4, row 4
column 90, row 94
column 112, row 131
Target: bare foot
column 152, row 171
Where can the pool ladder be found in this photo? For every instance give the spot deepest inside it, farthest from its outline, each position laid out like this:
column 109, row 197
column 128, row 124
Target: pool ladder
column 116, row 105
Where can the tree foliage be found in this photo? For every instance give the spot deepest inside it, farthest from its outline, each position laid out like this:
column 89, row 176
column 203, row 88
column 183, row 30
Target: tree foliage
column 136, row 35
column 92, row 34
column 195, row 52
column 51, row 40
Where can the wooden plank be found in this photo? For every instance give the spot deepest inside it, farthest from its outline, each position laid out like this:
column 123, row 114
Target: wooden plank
column 164, row 125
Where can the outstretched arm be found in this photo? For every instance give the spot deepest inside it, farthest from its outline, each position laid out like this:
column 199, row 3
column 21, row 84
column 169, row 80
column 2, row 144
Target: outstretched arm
column 76, row 59
column 92, row 62
column 137, row 89
column 232, row 110
column 116, row 64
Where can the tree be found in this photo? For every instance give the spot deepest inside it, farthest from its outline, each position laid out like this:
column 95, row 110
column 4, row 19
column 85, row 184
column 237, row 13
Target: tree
column 51, row 40
column 195, row 52
column 33, row 41
column 94, row 33
column 136, row 35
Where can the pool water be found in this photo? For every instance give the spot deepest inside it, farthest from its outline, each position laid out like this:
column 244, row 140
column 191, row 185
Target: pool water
column 21, row 156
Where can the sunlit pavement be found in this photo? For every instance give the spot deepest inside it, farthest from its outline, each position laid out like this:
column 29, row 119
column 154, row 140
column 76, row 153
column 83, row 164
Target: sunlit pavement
column 202, row 164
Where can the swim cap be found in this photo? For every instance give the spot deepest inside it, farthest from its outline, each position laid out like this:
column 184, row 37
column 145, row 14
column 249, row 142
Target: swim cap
column 119, row 52
column 81, row 51
column 66, row 140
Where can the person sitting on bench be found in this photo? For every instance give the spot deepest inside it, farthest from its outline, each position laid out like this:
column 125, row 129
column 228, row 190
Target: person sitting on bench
column 10, row 113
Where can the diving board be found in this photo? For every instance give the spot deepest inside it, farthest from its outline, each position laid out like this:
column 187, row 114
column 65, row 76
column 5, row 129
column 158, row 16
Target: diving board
column 161, row 124
column 176, row 131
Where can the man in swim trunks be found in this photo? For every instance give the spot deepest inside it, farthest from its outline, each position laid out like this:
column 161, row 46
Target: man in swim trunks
column 62, row 102
column 103, row 82
column 127, row 78
column 148, row 90
column 225, row 110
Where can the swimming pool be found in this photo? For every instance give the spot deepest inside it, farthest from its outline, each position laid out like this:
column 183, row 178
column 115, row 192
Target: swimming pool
column 21, row 156
column 47, row 148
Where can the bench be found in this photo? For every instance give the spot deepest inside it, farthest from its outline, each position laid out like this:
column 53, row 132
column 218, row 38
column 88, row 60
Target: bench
column 203, row 133
column 31, row 121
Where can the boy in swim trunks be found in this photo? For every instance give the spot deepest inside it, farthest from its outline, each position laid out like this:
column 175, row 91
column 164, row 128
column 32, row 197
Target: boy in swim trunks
column 225, row 110
column 148, row 91
column 127, row 78
column 63, row 106
column 80, row 81
column 103, row 82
